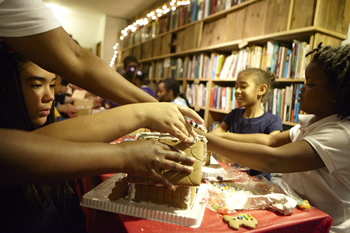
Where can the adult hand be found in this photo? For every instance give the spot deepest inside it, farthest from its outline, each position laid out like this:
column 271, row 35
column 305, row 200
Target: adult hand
column 147, row 158
column 170, row 118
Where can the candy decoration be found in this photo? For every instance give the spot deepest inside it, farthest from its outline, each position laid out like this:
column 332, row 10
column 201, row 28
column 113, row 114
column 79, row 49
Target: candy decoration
column 304, row 205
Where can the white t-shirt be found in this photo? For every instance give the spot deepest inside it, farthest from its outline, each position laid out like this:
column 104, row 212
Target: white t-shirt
column 328, row 188
column 25, row 17
column 180, row 101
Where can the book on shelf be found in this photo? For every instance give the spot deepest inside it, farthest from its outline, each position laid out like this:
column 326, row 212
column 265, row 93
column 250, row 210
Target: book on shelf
column 223, row 98
column 193, row 67
column 274, row 57
column 179, row 67
column 296, row 108
column 194, row 10
column 228, row 98
column 304, row 49
column 228, row 4
column 289, row 103
column 207, row 8
column 226, row 67
column 287, row 64
column 200, row 65
column 188, row 68
column 200, row 9
column 183, row 12
column 283, row 102
column 188, row 15
column 197, row 94
column 241, row 62
column 263, row 57
column 212, row 93
column 281, row 62
column 255, row 53
column 206, row 66
column 213, row 65
column 232, row 69
column 171, row 20
column 213, row 6
column 219, row 63
column 163, row 24
column 269, row 54
column 295, row 58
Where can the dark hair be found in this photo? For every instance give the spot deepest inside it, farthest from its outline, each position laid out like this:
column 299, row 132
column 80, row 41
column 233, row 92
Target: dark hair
column 133, row 73
column 261, row 77
column 64, row 82
column 335, row 62
column 14, row 115
column 174, row 85
column 129, row 59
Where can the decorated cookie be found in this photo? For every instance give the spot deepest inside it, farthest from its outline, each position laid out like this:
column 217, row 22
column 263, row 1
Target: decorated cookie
column 244, row 220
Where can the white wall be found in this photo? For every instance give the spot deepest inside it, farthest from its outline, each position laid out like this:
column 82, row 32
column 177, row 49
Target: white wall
column 112, row 29
column 89, row 29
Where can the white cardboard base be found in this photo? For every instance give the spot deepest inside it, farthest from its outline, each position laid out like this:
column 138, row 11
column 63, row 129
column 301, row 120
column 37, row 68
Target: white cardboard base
column 97, row 198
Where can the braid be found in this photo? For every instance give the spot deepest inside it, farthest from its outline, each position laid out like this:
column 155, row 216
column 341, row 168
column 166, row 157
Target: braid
column 336, row 64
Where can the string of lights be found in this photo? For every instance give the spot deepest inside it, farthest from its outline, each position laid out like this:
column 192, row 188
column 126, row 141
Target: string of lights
column 151, row 16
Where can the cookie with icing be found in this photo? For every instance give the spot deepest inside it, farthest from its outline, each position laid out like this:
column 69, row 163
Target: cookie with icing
column 244, row 220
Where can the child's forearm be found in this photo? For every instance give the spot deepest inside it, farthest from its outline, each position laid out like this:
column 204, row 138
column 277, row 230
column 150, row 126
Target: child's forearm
column 262, row 139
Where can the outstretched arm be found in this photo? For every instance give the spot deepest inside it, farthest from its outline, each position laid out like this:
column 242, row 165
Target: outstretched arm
column 114, row 123
column 274, row 139
column 56, row 52
column 24, row 161
column 286, row 157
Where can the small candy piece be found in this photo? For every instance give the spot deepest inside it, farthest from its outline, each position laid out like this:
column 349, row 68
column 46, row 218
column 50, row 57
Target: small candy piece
column 304, row 205
column 216, row 206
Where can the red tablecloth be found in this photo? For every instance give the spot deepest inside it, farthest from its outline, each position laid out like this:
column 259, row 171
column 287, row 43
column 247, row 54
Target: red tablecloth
column 299, row 221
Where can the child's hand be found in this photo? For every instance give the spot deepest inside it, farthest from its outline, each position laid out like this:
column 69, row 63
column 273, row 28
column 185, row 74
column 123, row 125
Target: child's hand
column 147, row 158
column 170, row 118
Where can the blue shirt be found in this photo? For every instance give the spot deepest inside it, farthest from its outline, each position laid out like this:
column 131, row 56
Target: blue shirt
column 266, row 124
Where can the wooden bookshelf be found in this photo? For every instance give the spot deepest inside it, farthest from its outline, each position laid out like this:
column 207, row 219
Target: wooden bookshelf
column 248, row 24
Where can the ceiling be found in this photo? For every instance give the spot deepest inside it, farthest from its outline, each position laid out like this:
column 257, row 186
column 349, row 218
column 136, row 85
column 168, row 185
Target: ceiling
column 125, row 9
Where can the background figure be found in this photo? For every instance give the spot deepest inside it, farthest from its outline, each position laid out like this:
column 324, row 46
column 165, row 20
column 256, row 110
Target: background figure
column 129, row 61
column 169, row 91
column 63, row 102
column 253, row 86
column 135, row 76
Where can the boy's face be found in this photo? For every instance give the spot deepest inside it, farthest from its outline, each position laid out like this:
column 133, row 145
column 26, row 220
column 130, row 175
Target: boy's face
column 38, row 90
column 315, row 98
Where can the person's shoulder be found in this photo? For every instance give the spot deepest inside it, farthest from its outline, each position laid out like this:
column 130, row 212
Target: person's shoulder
column 270, row 115
column 181, row 101
column 18, row 15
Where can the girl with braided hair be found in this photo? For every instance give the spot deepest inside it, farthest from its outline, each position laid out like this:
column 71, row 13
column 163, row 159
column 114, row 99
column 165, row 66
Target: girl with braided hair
column 253, row 87
column 313, row 155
